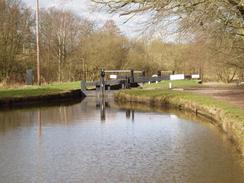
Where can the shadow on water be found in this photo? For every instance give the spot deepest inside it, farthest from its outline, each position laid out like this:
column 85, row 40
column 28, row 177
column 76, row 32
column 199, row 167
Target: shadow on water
column 44, row 103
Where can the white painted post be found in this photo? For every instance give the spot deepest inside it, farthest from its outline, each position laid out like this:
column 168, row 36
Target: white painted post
column 170, row 85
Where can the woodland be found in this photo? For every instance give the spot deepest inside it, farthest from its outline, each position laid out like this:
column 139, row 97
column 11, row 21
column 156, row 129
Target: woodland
column 75, row 48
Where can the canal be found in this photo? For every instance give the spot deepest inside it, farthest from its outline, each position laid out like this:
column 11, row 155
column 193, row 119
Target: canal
column 82, row 143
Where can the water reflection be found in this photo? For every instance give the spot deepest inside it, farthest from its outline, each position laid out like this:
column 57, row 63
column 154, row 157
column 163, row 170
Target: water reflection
column 113, row 143
column 103, row 102
column 39, row 121
column 130, row 114
column 55, row 116
column 20, row 118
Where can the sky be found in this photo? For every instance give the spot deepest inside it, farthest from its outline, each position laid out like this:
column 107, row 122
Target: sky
column 132, row 28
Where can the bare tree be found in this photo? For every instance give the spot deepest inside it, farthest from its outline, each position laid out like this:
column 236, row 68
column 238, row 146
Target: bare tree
column 61, row 34
column 15, row 38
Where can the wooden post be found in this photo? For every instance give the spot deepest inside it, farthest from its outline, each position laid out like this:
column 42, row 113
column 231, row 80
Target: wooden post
column 128, row 82
column 83, row 69
column 159, row 74
column 159, row 77
column 143, row 76
column 37, row 45
column 143, row 73
column 132, row 76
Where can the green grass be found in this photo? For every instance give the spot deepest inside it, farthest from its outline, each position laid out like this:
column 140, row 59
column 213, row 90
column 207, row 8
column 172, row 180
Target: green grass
column 48, row 89
column 175, row 84
column 161, row 89
column 180, row 97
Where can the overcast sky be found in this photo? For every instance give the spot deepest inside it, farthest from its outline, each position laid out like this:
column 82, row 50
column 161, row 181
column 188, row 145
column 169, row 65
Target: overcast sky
column 84, row 8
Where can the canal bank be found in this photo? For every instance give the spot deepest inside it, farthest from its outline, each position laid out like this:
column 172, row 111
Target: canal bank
column 40, row 95
column 229, row 118
column 55, row 98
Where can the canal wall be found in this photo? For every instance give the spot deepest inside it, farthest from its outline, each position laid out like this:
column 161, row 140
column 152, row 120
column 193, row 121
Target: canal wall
column 233, row 126
column 66, row 96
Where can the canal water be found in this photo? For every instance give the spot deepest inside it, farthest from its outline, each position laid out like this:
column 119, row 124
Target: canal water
column 82, row 143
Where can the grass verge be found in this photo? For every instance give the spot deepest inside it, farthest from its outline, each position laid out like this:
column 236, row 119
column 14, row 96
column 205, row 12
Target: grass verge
column 175, row 84
column 28, row 91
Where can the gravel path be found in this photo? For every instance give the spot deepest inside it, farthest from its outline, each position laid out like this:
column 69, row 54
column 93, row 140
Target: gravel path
column 233, row 95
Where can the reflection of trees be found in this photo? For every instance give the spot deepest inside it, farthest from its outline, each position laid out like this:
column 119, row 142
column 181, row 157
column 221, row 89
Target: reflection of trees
column 84, row 111
column 67, row 115
column 51, row 115
column 14, row 119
